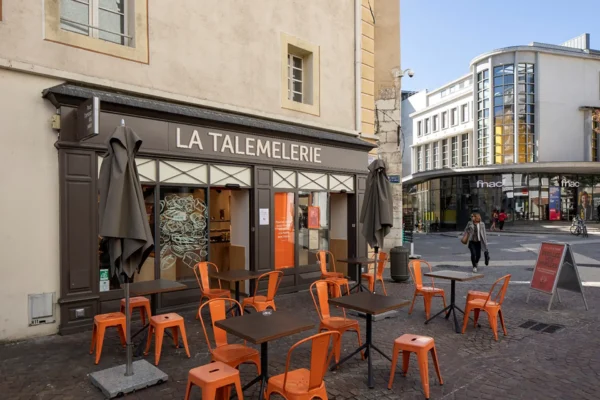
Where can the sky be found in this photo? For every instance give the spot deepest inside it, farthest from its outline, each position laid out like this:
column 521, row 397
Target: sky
column 439, row 38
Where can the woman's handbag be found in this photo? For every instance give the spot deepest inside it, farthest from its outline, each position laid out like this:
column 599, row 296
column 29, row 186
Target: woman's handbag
column 465, row 238
column 486, row 256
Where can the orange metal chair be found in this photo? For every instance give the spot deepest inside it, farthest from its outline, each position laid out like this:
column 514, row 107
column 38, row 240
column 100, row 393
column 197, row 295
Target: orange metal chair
column 428, row 292
column 158, row 324
column 261, row 303
column 420, row 345
column 214, row 380
column 230, row 354
column 383, row 259
column 101, row 322
column 201, row 270
column 477, row 301
column 304, row 384
column 140, row 303
column 331, row 275
column 340, row 325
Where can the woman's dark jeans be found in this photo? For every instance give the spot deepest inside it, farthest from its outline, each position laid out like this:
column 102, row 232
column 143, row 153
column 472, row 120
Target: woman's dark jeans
column 475, row 248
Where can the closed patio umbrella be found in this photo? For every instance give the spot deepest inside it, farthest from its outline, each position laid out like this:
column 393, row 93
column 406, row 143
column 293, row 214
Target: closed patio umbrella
column 123, row 219
column 377, row 210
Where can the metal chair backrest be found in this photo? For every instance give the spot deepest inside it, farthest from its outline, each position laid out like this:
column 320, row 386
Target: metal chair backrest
column 381, row 261
column 201, row 270
column 320, row 357
column 217, row 308
column 321, row 300
column 501, row 292
column 322, row 259
column 274, row 278
column 414, row 267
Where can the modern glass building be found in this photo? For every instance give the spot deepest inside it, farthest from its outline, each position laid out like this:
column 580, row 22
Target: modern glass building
column 519, row 132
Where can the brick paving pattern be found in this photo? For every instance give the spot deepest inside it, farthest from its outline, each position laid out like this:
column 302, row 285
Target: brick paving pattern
column 523, row 365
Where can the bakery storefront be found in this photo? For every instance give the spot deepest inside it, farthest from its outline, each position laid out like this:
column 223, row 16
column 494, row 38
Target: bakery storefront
column 238, row 191
column 549, row 192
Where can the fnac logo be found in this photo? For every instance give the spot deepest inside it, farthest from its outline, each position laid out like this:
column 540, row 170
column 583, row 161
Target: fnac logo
column 568, row 183
column 482, row 184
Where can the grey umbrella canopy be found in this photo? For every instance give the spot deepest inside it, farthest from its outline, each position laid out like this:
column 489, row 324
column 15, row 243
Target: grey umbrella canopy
column 378, row 207
column 123, row 219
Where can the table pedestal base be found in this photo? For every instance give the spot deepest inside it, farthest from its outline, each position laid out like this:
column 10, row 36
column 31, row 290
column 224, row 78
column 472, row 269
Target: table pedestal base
column 368, row 347
column 451, row 309
column 264, row 373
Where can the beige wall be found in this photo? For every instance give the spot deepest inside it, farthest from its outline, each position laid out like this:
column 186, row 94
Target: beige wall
column 225, row 53
column 367, row 98
column 387, row 45
column 29, row 202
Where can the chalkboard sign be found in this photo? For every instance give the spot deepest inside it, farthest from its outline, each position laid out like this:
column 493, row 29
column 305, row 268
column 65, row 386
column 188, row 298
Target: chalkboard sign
column 555, row 269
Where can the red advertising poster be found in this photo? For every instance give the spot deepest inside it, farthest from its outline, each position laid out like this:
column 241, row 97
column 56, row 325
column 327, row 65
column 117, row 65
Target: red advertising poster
column 284, row 230
column 313, row 218
column 547, row 266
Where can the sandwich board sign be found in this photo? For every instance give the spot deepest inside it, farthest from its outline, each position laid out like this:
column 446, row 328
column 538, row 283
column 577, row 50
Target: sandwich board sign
column 555, row 268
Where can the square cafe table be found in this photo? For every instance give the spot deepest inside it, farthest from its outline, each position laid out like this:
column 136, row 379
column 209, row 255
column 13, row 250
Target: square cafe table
column 259, row 328
column 370, row 304
column 453, row 276
column 153, row 289
column 358, row 262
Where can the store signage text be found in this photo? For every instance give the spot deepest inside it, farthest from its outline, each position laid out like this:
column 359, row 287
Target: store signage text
column 482, row 184
column 568, row 183
column 249, row 146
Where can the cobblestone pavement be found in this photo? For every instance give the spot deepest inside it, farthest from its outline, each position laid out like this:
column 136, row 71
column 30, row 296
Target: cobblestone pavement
column 523, row 365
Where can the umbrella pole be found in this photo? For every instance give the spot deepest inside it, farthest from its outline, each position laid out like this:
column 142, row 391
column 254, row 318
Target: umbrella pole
column 375, row 269
column 129, row 365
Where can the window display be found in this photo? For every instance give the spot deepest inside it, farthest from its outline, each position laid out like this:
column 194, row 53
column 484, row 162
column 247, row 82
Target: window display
column 183, row 231
column 284, row 230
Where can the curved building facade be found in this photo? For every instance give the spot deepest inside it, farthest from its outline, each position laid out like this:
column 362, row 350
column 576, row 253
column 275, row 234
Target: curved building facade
column 519, row 132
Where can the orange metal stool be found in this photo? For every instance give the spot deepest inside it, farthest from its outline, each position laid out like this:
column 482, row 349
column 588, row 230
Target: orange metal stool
column 158, row 324
column 140, row 303
column 215, row 380
column 101, row 322
column 420, row 345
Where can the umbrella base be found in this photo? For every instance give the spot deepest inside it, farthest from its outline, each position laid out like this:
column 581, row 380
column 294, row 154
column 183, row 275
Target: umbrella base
column 113, row 382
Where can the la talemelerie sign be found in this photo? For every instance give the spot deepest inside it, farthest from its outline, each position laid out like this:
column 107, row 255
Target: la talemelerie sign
column 204, row 140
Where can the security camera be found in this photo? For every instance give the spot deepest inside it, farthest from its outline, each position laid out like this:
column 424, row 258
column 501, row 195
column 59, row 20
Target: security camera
column 410, row 73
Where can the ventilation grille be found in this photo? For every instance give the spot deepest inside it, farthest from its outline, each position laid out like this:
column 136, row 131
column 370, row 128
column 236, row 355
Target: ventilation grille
column 41, row 309
column 541, row 327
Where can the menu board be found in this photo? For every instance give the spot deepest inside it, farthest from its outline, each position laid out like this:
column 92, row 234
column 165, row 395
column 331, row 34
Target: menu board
column 284, row 230
column 547, row 267
column 313, row 217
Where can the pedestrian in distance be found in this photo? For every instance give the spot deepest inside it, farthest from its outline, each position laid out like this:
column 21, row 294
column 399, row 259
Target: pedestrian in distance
column 501, row 219
column 494, row 220
column 477, row 239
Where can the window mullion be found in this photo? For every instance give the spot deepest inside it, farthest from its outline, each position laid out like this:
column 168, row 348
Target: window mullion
column 94, row 19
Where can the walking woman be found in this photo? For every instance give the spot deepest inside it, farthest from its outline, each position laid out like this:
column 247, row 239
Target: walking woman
column 477, row 239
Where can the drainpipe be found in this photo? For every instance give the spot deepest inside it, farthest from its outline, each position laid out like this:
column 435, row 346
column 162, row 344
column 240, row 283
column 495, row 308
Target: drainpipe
column 357, row 62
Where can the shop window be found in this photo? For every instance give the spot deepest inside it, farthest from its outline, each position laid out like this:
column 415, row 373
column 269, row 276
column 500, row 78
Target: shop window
column 341, row 182
column 300, row 80
column 313, row 221
column 114, row 27
column 312, row 181
column 221, row 175
column 184, row 239
column 284, row 231
column 283, row 179
column 183, row 172
column 108, row 282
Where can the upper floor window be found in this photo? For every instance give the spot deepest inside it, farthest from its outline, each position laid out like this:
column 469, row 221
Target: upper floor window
column 436, row 125
column 115, row 27
column 445, row 153
column 295, row 65
column 445, row 120
column 595, row 133
column 465, row 150
column 436, row 155
column 419, row 128
column 300, row 79
column 427, row 126
column 454, row 117
column 464, row 113
column 101, row 19
column 455, row 151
